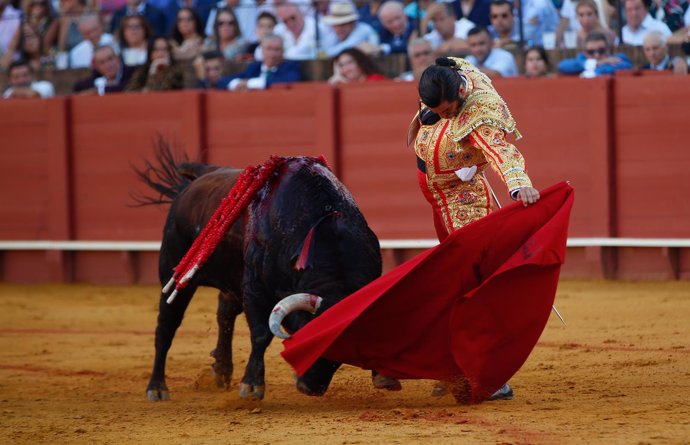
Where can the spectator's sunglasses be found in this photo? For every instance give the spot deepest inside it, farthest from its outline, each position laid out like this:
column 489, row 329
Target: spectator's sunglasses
column 596, row 51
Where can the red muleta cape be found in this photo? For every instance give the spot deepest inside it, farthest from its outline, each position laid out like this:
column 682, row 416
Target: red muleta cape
column 471, row 308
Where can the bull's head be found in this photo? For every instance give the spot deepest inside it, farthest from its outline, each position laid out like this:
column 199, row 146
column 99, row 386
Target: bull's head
column 291, row 303
column 317, row 378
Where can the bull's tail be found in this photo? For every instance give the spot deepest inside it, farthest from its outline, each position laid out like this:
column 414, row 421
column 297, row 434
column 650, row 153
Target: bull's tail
column 168, row 175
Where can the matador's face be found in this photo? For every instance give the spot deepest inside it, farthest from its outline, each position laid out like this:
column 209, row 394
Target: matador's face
column 448, row 109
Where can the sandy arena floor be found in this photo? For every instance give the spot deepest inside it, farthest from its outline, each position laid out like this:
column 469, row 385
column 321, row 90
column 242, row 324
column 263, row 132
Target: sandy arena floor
column 75, row 361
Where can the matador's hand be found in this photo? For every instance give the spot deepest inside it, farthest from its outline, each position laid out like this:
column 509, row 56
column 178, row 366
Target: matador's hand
column 528, row 195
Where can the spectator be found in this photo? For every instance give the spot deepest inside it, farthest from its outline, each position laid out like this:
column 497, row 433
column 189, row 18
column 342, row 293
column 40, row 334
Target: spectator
column 91, row 28
column 274, row 69
column 352, row 65
column 226, row 36
column 476, row 11
column 412, row 13
column 265, row 23
column 26, row 45
column 494, row 62
column 212, row 70
column 159, row 73
column 187, row 36
column 246, row 12
column 640, row 22
column 449, row 35
column 538, row 17
column 671, row 12
column 537, row 63
column 569, row 22
column 658, row 59
column 596, row 59
column 10, row 18
column 369, row 14
column 347, row 31
column 588, row 19
column 22, row 84
column 420, row 55
column 297, row 31
column 397, row 31
column 503, row 30
column 153, row 16
column 109, row 75
column 69, row 36
column 40, row 16
column 171, row 7
column 134, row 36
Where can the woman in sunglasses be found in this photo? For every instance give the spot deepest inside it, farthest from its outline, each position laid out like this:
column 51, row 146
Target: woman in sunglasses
column 596, row 59
column 227, row 37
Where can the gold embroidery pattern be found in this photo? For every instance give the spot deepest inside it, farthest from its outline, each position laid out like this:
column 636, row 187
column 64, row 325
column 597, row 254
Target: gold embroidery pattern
column 482, row 106
column 476, row 137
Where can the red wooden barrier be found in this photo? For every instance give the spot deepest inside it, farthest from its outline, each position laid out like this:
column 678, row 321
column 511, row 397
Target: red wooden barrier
column 378, row 167
column 652, row 160
column 109, row 135
column 34, row 185
column 66, row 163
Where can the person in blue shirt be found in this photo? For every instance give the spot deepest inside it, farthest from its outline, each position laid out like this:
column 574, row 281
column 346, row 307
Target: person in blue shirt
column 596, row 59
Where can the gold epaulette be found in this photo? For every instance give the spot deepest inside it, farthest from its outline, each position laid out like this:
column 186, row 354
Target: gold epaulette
column 483, row 105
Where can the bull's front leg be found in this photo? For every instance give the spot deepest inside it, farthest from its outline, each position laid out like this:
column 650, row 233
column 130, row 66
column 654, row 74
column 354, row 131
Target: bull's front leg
column 229, row 307
column 169, row 319
column 253, row 385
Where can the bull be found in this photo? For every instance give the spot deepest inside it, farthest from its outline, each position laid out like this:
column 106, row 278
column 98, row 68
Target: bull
column 254, row 266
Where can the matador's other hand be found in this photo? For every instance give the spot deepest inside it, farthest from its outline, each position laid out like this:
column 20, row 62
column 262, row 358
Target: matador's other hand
column 528, row 195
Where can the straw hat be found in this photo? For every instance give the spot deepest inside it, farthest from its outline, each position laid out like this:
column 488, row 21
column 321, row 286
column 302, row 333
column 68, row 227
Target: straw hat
column 340, row 13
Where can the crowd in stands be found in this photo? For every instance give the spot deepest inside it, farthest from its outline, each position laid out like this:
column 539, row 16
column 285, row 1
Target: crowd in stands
column 142, row 45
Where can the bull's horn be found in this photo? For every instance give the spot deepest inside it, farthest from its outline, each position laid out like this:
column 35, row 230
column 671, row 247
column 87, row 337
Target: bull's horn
column 294, row 302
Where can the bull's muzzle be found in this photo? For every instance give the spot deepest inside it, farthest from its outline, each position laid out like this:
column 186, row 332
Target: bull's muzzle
column 291, row 303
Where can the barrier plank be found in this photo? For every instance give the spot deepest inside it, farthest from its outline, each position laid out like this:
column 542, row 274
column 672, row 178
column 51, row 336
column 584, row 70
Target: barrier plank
column 378, row 167
column 652, row 156
column 109, row 135
column 244, row 128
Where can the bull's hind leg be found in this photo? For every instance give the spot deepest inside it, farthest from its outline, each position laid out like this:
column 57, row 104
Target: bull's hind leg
column 229, row 307
column 169, row 319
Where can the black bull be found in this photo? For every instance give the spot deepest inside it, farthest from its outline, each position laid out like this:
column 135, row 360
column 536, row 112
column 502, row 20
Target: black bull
column 254, row 265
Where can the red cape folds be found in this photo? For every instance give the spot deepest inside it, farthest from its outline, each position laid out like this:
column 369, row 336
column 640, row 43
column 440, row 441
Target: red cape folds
column 470, row 309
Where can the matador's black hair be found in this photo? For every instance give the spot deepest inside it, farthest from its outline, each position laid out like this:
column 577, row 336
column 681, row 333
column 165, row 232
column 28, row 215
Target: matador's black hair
column 439, row 83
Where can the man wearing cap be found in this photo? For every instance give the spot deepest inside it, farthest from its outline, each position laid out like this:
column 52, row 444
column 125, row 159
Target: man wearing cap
column 347, row 31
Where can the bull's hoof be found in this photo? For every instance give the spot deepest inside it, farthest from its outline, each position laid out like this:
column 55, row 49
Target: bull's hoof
column 157, row 394
column 251, row 392
column 222, row 371
column 381, row 381
column 304, row 389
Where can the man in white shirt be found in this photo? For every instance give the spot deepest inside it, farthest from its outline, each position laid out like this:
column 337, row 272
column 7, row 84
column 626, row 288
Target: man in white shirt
column 494, row 62
column 91, row 29
column 640, row 22
column 22, row 84
column 449, row 35
column 298, row 32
